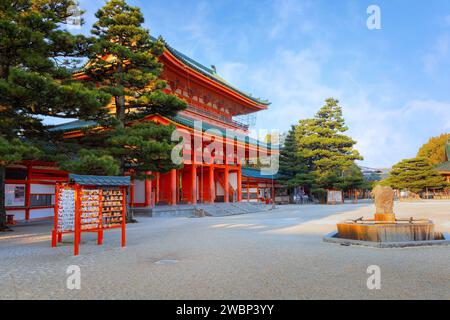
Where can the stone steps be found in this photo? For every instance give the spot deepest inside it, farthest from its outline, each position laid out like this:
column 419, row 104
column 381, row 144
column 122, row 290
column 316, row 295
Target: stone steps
column 227, row 209
column 214, row 210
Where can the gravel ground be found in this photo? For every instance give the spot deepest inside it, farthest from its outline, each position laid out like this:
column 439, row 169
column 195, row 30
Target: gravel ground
column 271, row 255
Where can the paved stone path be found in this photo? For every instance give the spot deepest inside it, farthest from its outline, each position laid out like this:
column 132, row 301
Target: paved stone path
column 270, row 255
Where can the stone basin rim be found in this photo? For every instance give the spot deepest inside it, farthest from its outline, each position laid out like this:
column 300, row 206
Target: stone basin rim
column 416, row 222
column 333, row 237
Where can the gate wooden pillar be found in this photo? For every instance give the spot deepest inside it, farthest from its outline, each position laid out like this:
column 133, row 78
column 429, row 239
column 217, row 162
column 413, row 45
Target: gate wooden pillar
column 211, row 184
column 194, row 183
column 239, row 184
column 226, row 186
column 173, row 187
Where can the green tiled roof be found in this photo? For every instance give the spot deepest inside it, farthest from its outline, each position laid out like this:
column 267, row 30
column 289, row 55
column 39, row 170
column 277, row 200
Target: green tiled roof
column 443, row 166
column 99, row 180
column 257, row 173
column 79, row 124
column 74, row 125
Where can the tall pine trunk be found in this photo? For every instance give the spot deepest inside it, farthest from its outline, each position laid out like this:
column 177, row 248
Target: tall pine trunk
column 2, row 199
column 120, row 116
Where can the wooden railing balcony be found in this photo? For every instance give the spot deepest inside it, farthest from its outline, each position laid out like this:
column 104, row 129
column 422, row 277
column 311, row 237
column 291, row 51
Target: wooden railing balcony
column 202, row 110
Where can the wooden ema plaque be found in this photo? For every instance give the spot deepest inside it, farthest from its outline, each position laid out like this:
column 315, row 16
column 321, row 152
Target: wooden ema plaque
column 81, row 209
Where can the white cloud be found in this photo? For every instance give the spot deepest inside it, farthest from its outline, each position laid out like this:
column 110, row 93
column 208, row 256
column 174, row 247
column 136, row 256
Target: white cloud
column 289, row 16
column 386, row 136
column 232, row 71
column 292, row 80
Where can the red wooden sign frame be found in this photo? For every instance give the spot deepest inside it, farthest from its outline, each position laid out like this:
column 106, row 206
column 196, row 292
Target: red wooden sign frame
column 79, row 190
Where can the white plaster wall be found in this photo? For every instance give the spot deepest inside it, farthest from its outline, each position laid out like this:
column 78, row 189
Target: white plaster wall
column 18, row 214
column 232, row 179
column 42, row 189
column 219, row 189
column 41, row 213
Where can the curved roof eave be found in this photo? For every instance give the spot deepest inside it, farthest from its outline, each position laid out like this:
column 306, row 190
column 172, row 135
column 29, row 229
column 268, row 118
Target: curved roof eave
column 208, row 72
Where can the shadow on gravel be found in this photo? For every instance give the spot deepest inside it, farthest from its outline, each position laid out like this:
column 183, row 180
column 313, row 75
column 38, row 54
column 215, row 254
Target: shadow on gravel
column 294, row 219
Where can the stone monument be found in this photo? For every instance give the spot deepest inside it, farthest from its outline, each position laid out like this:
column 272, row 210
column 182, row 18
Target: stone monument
column 385, row 228
column 384, row 203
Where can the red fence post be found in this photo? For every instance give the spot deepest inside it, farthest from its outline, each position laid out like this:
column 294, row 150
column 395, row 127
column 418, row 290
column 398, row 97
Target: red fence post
column 55, row 218
column 124, row 205
column 77, row 219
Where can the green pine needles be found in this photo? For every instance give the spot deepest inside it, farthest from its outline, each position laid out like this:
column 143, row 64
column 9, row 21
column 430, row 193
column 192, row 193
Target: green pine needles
column 416, row 175
column 319, row 156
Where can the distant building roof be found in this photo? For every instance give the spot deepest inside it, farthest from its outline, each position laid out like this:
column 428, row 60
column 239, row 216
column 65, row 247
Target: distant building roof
column 367, row 170
column 74, row 125
column 110, row 181
column 446, row 165
column 443, row 166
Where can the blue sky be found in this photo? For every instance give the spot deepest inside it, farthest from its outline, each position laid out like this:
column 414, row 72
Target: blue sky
column 393, row 83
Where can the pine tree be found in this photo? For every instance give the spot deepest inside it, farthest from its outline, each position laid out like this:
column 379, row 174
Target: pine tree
column 294, row 170
column 124, row 63
column 91, row 162
column 416, row 175
column 434, row 149
column 288, row 158
column 324, row 147
column 35, row 80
